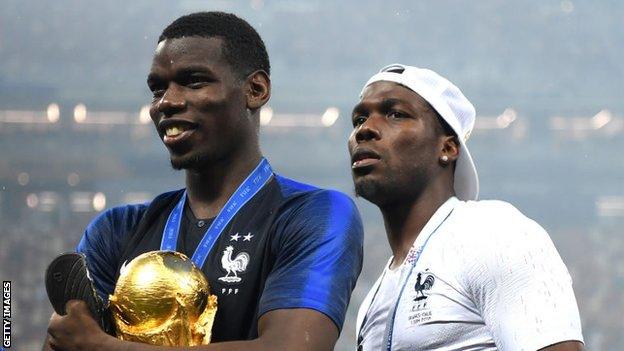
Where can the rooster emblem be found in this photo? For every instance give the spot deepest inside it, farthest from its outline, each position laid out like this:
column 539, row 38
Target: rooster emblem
column 233, row 266
column 421, row 287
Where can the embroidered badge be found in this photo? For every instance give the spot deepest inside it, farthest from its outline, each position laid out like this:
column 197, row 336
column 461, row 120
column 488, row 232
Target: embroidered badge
column 229, row 291
column 233, row 266
column 421, row 287
column 419, row 311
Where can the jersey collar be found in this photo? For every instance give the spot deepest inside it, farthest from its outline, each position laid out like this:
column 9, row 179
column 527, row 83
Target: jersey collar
column 439, row 216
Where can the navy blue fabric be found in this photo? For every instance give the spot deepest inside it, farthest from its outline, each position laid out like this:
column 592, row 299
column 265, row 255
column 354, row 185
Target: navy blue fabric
column 316, row 244
column 319, row 253
column 102, row 240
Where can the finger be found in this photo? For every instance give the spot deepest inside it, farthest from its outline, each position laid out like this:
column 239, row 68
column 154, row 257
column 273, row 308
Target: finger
column 55, row 320
column 51, row 344
column 46, row 344
column 54, row 317
column 74, row 306
column 78, row 309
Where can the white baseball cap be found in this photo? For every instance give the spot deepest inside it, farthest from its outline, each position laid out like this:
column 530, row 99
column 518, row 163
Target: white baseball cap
column 452, row 105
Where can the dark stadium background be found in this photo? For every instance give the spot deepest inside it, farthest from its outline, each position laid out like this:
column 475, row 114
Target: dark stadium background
column 546, row 77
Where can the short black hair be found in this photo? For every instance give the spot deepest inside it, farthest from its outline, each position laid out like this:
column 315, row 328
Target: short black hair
column 243, row 48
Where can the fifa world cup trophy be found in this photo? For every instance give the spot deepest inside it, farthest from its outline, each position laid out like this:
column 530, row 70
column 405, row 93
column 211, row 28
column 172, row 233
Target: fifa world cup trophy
column 162, row 298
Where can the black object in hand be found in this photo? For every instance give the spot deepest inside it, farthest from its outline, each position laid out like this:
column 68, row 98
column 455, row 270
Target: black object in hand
column 67, row 278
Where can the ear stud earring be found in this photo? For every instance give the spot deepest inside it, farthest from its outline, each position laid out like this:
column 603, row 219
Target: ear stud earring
column 444, row 160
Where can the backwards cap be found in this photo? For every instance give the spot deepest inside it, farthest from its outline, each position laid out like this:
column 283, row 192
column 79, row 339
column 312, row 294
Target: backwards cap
column 452, row 106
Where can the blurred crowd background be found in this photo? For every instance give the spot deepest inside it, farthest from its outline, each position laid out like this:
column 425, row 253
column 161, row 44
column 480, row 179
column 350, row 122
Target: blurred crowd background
column 546, row 79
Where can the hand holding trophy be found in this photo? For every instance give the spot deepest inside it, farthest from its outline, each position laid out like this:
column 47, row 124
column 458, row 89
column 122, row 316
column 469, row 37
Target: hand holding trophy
column 161, row 298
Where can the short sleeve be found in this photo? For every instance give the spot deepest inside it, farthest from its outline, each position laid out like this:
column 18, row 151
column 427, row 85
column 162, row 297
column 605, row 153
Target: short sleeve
column 101, row 244
column 521, row 286
column 318, row 248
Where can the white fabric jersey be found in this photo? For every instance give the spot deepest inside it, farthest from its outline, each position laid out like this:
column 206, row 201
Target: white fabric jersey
column 383, row 305
column 488, row 278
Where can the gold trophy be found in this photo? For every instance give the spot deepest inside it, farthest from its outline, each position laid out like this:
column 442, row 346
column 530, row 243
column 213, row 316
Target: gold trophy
column 162, row 298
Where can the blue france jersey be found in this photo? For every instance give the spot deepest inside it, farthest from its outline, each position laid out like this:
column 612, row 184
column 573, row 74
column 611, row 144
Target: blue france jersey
column 304, row 246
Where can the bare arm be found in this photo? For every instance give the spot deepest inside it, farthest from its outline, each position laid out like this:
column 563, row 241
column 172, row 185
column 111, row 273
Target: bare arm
column 285, row 329
column 565, row 346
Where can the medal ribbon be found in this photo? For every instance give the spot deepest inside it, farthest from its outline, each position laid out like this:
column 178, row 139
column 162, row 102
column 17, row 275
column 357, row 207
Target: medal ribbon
column 413, row 255
column 256, row 180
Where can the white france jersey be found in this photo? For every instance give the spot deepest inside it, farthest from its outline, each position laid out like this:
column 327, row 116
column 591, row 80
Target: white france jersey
column 488, row 278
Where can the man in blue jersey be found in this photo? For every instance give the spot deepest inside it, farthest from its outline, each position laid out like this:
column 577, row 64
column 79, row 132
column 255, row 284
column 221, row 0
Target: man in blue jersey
column 302, row 245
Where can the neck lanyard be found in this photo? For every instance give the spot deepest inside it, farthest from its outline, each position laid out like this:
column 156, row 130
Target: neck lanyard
column 256, row 180
column 412, row 257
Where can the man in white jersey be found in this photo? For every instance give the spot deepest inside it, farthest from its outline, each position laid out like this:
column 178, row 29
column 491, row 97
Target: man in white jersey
column 465, row 274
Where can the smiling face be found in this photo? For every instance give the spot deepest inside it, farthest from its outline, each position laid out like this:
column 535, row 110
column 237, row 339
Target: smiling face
column 395, row 145
column 200, row 104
